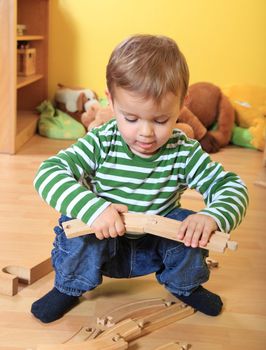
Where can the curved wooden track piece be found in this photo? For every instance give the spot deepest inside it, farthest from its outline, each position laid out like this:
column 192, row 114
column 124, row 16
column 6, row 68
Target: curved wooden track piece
column 149, row 323
column 155, row 225
column 127, row 330
column 83, row 334
column 174, row 346
column 131, row 310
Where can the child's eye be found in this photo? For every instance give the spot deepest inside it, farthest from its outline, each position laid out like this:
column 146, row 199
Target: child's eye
column 131, row 119
column 161, row 121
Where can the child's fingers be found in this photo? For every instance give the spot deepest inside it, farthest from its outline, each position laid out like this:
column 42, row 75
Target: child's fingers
column 120, row 227
column 113, row 231
column 205, row 236
column 189, row 234
column 197, row 235
column 182, row 230
column 99, row 235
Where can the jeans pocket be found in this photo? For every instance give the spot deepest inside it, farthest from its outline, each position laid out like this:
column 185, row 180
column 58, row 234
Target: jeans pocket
column 174, row 256
column 184, row 269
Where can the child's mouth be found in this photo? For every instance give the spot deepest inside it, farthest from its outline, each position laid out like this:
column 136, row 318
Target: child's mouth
column 145, row 145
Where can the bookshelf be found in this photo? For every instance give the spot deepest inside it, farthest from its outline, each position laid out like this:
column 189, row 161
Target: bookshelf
column 20, row 95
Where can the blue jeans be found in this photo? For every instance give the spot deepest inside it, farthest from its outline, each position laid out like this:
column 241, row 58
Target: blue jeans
column 80, row 263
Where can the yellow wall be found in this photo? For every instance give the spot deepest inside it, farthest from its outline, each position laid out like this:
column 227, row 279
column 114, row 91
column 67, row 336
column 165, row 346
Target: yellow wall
column 223, row 40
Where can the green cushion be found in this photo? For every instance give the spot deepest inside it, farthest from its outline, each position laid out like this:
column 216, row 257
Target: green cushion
column 56, row 124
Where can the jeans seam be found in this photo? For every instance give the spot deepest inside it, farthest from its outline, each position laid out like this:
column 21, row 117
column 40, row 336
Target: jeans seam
column 132, row 256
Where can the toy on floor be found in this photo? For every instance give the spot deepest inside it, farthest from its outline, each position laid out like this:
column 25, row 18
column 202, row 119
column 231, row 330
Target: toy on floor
column 74, row 100
column 249, row 102
column 126, row 323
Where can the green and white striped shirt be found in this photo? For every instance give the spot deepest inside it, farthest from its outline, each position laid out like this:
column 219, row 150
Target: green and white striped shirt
column 99, row 169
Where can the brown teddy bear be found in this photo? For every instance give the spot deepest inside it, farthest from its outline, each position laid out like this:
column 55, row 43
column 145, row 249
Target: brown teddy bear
column 205, row 106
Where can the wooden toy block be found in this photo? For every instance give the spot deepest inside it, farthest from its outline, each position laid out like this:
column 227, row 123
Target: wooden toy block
column 153, row 224
column 10, row 275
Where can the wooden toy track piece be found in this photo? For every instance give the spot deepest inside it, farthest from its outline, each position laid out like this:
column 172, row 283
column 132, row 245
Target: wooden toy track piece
column 11, row 275
column 132, row 310
column 127, row 330
column 212, row 264
column 164, row 317
column 153, row 224
column 174, row 346
column 150, row 323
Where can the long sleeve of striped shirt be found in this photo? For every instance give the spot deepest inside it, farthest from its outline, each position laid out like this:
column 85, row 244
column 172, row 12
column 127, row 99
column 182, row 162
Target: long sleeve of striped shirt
column 61, row 181
column 100, row 169
column 224, row 193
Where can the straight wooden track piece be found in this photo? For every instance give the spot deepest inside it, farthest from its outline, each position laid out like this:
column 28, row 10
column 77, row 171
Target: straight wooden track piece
column 165, row 317
column 153, row 224
column 127, row 329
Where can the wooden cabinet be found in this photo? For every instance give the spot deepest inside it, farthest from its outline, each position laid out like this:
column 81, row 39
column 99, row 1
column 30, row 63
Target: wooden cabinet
column 19, row 96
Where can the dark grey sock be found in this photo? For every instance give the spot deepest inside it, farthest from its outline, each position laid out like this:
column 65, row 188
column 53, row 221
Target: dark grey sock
column 204, row 301
column 53, row 305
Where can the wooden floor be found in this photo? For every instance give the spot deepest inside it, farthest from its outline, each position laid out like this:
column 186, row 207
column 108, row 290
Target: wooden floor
column 240, row 278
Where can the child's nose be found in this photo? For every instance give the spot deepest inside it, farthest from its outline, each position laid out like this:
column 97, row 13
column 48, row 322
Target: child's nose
column 146, row 129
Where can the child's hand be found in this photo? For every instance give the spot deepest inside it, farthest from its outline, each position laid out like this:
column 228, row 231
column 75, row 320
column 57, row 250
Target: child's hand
column 109, row 223
column 196, row 230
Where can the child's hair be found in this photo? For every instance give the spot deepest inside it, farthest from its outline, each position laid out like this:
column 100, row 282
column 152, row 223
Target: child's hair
column 150, row 65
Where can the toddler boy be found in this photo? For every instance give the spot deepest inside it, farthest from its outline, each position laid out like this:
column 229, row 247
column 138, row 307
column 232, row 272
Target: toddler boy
column 137, row 162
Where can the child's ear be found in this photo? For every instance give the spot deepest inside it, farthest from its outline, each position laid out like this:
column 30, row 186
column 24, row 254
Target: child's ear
column 186, row 100
column 109, row 98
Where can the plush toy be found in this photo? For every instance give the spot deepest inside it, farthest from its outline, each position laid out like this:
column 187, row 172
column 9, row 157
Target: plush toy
column 210, row 114
column 99, row 113
column 74, row 101
column 249, row 102
column 205, row 107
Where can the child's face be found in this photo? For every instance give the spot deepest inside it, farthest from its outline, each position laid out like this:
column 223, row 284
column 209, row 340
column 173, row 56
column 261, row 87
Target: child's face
column 144, row 125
